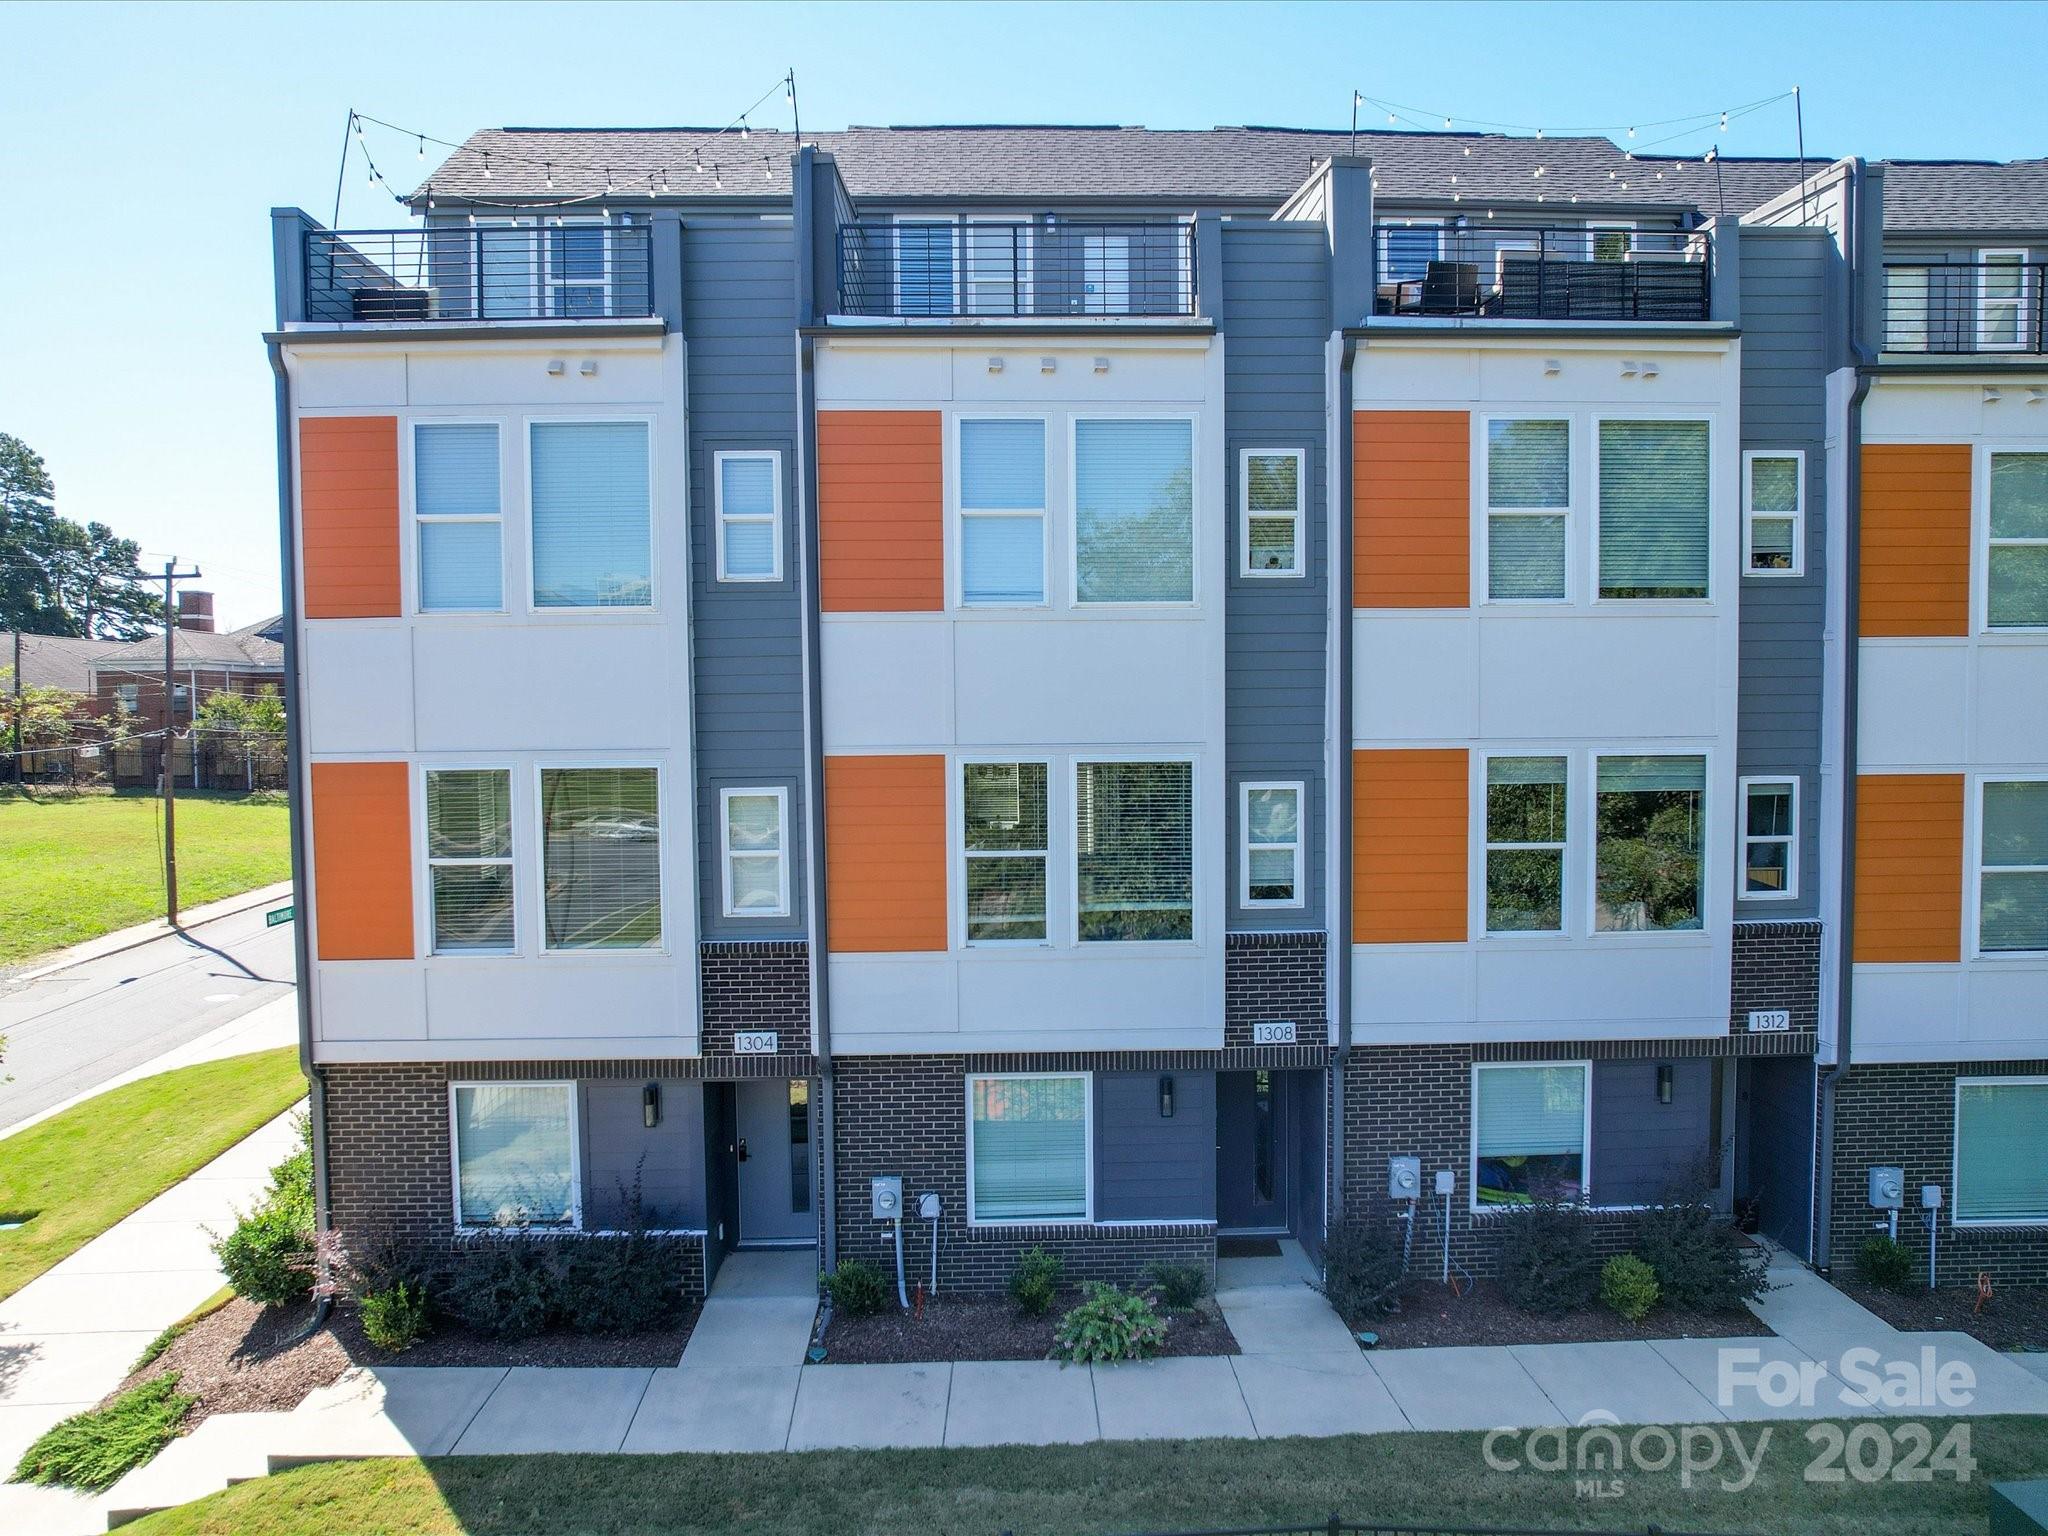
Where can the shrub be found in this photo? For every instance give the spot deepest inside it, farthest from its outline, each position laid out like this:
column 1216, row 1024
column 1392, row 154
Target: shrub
column 268, row 1256
column 624, row 1284
column 1363, row 1267
column 1628, row 1286
column 857, row 1288
column 94, row 1450
column 1700, row 1260
column 1111, row 1325
column 504, row 1288
column 396, row 1319
column 1035, row 1282
column 1547, row 1260
column 1886, row 1263
column 1180, row 1285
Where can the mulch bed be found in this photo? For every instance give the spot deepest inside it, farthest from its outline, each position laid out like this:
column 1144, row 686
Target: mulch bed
column 2015, row 1317
column 1432, row 1317
column 981, row 1328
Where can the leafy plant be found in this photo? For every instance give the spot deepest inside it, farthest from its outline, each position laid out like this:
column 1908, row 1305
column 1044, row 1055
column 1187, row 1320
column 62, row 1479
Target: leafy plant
column 396, row 1319
column 1111, row 1325
column 1547, row 1260
column 1886, row 1263
column 1701, row 1261
column 1628, row 1286
column 504, row 1288
column 1035, row 1282
column 268, row 1256
column 1363, row 1268
column 1180, row 1285
column 857, row 1288
column 623, row 1284
column 94, row 1450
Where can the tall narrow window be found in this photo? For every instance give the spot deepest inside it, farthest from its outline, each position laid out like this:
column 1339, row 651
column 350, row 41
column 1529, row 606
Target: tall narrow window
column 1134, row 851
column 576, row 275
column 2012, row 887
column 1002, row 512
column 1134, row 511
column 749, row 496
column 927, row 274
column 755, row 852
column 1003, row 817
column 1525, row 844
column 1529, row 1133
column 2002, row 294
column 1653, row 509
column 469, row 858
column 515, row 1154
column 1269, row 491
column 601, row 857
column 1528, row 490
column 2001, row 1126
column 2016, row 576
column 1650, row 818
column 459, row 517
column 1770, row 838
column 998, row 268
column 1270, row 856
column 592, row 534
column 1028, row 1148
column 1774, row 513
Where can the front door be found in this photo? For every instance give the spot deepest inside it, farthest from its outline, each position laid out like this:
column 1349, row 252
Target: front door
column 1251, row 1151
column 774, row 1155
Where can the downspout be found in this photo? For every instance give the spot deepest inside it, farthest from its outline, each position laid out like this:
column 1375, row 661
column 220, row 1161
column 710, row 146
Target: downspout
column 814, row 797
column 1340, row 780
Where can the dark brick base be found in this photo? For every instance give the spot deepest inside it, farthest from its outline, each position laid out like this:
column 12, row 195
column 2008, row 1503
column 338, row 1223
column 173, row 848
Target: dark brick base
column 1274, row 978
column 755, row 984
column 1776, row 965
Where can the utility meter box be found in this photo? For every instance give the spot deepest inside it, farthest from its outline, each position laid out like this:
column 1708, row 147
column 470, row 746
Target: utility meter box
column 1930, row 1197
column 885, row 1191
column 1888, row 1188
column 1446, row 1181
column 1404, row 1178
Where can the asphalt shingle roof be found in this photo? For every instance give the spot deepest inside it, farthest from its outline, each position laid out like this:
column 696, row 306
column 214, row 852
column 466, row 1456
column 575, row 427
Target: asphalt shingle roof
column 192, row 648
column 1935, row 197
column 52, row 661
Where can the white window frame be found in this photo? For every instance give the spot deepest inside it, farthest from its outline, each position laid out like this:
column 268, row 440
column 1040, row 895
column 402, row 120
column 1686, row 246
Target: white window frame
column 553, row 285
column 1293, row 516
column 1026, row 260
column 952, row 223
column 1488, row 511
column 129, row 696
column 417, row 552
column 1955, row 1144
column 722, row 518
column 726, row 851
column 1744, row 839
column 615, row 613
column 1087, row 1079
column 1072, row 835
column 1973, row 898
column 962, row 512
column 1383, row 262
column 1655, row 604
column 1111, row 249
column 424, row 772
column 964, row 856
column 1485, row 846
column 2014, row 304
column 1627, row 228
column 1750, row 514
column 1980, row 476
column 1472, row 1202
column 1299, row 789
column 1073, row 594
column 658, row 951
column 1708, row 897
column 473, row 258
column 569, row 1086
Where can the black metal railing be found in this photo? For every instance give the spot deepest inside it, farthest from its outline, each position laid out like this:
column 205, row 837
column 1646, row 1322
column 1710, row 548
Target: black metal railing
column 948, row 268
column 1966, row 306
column 565, row 270
column 1502, row 272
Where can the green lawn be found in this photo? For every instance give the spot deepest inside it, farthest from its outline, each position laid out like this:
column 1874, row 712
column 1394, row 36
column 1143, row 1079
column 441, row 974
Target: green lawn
column 75, row 867
column 76, row 1174
column 1073, row 1490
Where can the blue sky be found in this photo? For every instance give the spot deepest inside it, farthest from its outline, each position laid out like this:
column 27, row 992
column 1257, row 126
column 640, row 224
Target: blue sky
column 153, row 140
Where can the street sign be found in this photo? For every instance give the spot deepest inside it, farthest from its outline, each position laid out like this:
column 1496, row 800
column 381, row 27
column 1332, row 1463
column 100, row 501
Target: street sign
column 277, row 915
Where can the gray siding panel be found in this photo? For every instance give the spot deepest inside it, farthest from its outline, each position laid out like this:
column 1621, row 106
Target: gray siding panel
column 1642, row 1149
column 1147, row 1167
column 619, row 1151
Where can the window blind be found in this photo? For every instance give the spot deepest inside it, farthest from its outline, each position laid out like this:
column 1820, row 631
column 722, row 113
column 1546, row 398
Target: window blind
column 1272, row 498
column 1525, row 557
column 1273, row 841
column 1002, row 470
column 1774, row 484
column 1004, row 819
column 2001, row 1168
column 1134, row 847
column 514, row 1153
column 746, row 509
column 1653, row 509
column 1528, row 463
column 602, row 857
column 753, row 841
column 1531, row 1111
column 1134, row 511
column 592, row 534
column 455, row 475
column 2013, row 894
column 925, row 268
column 469, row 821
column 1030, row 1148
column 2017, row 585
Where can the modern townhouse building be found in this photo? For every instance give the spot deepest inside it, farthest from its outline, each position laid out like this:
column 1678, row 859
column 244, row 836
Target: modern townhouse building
column 1149, row 686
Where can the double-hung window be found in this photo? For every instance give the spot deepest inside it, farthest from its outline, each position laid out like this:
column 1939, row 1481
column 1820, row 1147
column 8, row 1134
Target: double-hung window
column 1134, row 511
column 2012, row 880
column 1002, row 512
column 755, row 851
column 1654, row 534
column 1650, row 825
column 748, row 491
column 1526, row 799
column 469, row 859
column 592, row 528
column 455, row 504
column 1269, row 491
column 1770, row 838
column 2002, row 295
column 575, row 275
column 1134, row 851
column 1004, row 840
column 2001, row 1127
column 2016, row 562
column 1270, row 856
column 1528, row 496
column 997, row 279
column 1029, row 1145
column 1773, row 513
column 515, row 1154
column 601, row 858
column 1529, row 1137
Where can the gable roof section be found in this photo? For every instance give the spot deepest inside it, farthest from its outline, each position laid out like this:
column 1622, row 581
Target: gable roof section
column 240, row 650
column 1961, row 197
column 52, row 661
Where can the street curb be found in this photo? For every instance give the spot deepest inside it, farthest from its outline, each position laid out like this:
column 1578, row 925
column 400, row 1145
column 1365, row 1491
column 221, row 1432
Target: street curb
column 148, row 933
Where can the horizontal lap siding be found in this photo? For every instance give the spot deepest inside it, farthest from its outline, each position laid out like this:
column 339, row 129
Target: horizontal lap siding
column 348, row 516
column 1411, row 486
column 885, row 853
column 1909, row 868
column 1411, row 829
column 881, row 512
column 1915, row 576
column 362, row 861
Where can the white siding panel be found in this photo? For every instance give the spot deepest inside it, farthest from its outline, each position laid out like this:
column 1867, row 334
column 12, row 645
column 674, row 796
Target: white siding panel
column 325, row 381
column 544, row 1003
column 1912, row 705
column 1086, row 682
column 1415, row 679
column 875, row 996
column 628, row 376
column 1608, row 675
column 1039, row 998
column 371, row 1000
column 887, row 683
column 358, row 687
column 547, row 687
column 2012, row 704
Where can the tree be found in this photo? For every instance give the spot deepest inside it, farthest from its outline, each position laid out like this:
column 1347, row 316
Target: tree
column 95, row 585
column 251, row 723
column 58, row 577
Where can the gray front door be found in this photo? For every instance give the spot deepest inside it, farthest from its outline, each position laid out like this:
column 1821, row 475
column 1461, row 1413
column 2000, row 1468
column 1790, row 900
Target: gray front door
column 1251, row 1151
column 774, row 1154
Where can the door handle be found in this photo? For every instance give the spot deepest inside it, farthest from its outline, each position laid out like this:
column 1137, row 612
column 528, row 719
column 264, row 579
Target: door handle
column 743, row 1149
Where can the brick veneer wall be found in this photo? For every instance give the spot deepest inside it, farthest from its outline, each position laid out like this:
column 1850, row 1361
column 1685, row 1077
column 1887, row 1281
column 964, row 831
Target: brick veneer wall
column 1776, row 965
column 1903, row 1115
column 1273, row 978
column 755, row 984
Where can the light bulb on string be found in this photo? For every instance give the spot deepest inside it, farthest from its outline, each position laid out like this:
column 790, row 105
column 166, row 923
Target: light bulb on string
column 423, row 147
column 745, row 131
column 1390, row 119
column 551, row 175
column 487, row 167
column 1468, row 149
column 697, row 158
column 1724, row 122
column 717, row 178
column 767, row 168
column 1447, row 125
column 1631, row 133
column 608, row 182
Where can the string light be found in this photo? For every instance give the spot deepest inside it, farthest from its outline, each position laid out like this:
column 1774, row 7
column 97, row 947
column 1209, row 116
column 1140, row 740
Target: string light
column 487, row 167
column 551, row 176
column 607, row 182
column 748, row 133
column 357, row 123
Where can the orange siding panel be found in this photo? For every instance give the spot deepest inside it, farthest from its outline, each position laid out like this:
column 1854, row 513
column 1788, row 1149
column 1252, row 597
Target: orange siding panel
column 362, row 861
column 881, row 512
column 1411, row 493
column 885, row 853
column 348, row 516
column 1915, row 545
column 1909, row 868
column 1410, row 810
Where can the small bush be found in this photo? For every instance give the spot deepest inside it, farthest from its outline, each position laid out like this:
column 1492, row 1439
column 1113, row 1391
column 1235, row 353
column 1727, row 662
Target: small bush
column 1628, row 1286
column 1547, row 1260
column 1111, row 1325
column 396, row 1319
column 1701, row 1261
column 505, row 1288
column 1886, row 1263
column 96, row 1449
column 1035, row 1282
column 1363, row 1268
column 1180, row 1285
column 624, row 1284
column 268, row 1256
column 858, row 1289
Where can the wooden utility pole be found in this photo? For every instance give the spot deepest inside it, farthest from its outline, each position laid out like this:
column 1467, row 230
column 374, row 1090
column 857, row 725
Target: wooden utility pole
column 16, row 759
column 171, row 577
